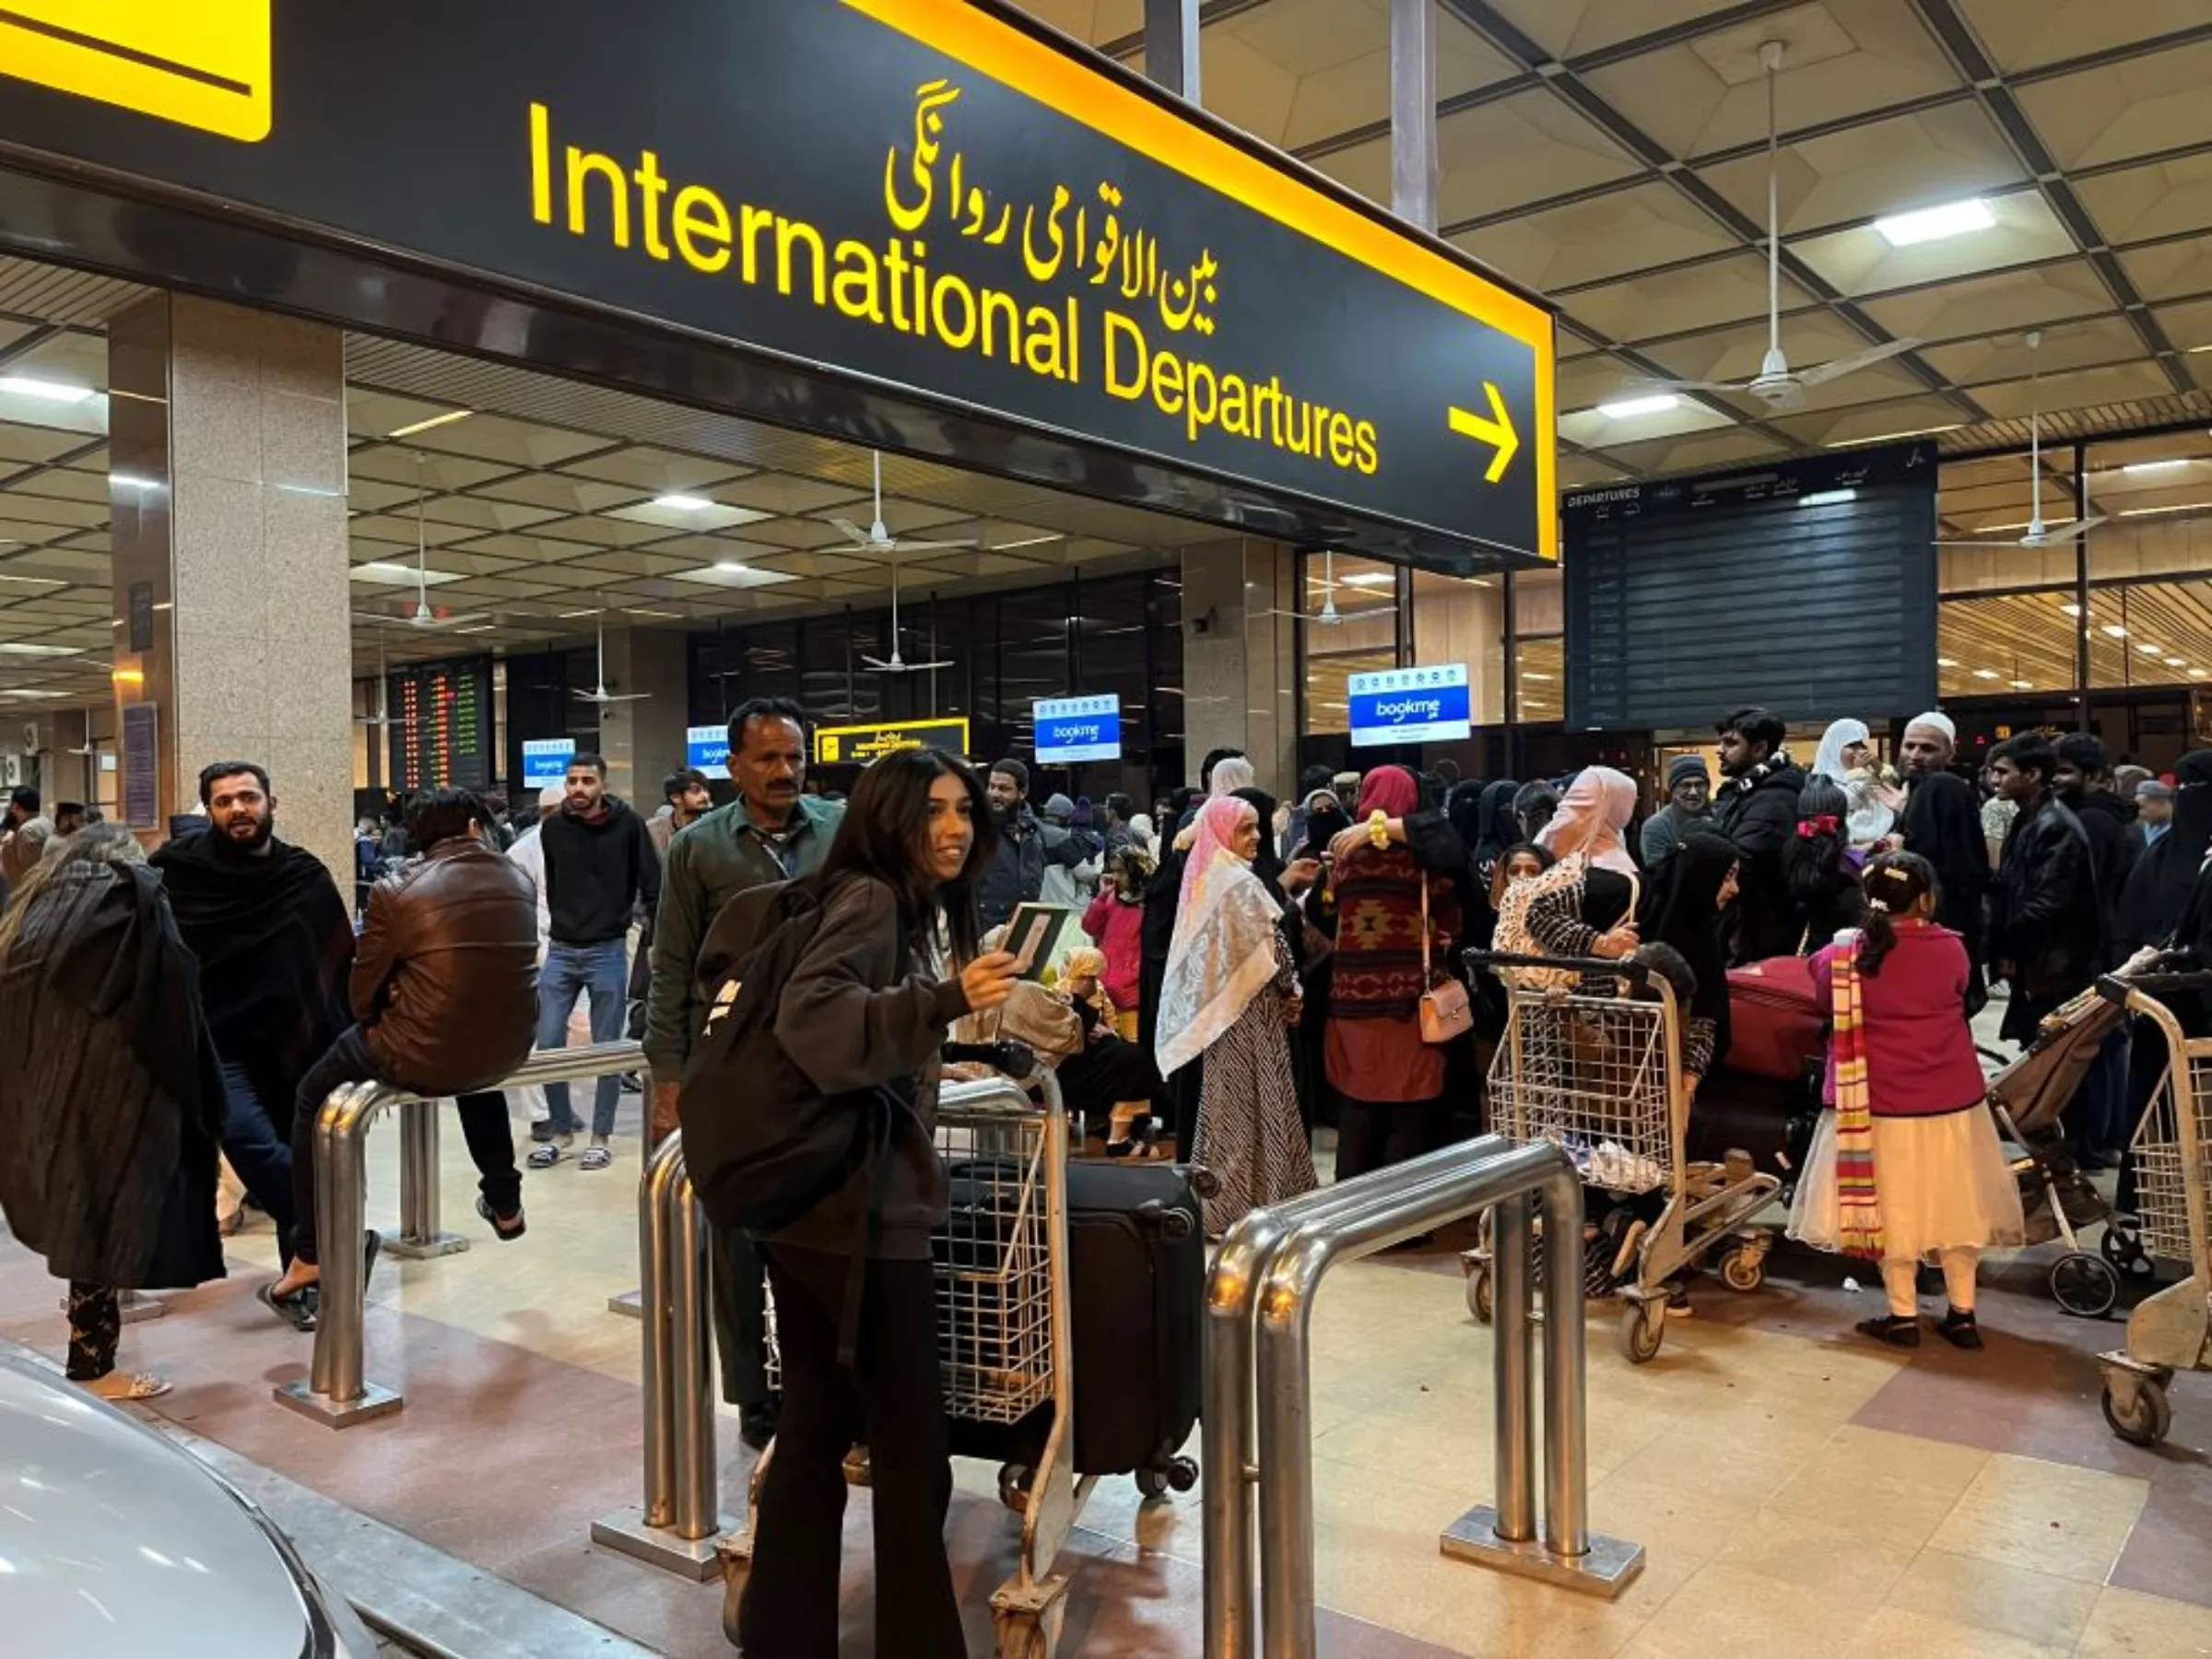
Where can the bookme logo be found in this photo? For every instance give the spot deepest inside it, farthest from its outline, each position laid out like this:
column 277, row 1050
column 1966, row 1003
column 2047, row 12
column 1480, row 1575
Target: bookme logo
column 208, row 64
column 1426, row 708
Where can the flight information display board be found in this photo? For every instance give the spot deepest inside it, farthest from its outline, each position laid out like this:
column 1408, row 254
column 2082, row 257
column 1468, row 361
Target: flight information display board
column 441, row 724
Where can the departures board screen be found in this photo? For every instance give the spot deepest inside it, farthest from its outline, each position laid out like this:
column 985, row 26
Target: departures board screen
column 442, row 735
column 1806, row 587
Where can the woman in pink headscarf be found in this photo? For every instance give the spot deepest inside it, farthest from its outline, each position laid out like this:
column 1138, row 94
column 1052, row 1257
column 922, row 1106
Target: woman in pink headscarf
column 1585, row 904
column 1230, row 993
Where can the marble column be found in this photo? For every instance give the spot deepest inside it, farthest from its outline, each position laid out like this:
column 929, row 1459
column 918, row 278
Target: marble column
column 227, row 444
column 643, row 741
column 1240, row 663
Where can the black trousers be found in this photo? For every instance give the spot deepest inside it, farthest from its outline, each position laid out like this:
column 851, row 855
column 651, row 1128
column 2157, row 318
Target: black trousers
column 95, row 1327
column 1374, row 1134
column 740, row 1318
column 483, row 1124
column 890, row 1401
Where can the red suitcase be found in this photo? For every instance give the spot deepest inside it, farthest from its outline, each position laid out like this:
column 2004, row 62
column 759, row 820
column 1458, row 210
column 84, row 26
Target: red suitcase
column 1776, row 1021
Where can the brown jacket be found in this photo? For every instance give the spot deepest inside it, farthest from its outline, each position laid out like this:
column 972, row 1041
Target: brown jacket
column 445, row 979
column 853, row 1020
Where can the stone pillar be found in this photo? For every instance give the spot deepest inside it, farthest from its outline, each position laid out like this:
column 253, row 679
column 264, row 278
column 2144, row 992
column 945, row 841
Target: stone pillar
column 643, row 741
column 227, row 439
column 1240, row 663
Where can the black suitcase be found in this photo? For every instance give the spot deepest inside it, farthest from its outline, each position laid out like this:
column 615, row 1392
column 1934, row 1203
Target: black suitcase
column 1137, row 1288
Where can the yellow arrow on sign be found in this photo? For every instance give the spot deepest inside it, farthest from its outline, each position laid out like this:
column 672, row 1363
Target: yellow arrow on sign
column 1498, row 430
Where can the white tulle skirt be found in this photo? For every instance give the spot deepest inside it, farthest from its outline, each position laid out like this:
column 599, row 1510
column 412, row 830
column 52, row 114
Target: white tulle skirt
column 1942, row 1183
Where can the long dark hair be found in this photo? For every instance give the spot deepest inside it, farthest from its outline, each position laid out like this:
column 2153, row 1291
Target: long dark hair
column 1813, row 861
column 886, row 835
column 1895, row 883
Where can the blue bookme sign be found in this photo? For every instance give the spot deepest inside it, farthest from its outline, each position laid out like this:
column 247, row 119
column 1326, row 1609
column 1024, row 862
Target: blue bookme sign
column 546, row 760
column 1409, row 705
column 1072, row 729
column 707, row 749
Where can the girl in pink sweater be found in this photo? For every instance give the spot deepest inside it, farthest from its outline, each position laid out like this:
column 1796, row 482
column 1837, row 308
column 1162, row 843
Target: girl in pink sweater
column 1115, row 921
column 1907, row 1166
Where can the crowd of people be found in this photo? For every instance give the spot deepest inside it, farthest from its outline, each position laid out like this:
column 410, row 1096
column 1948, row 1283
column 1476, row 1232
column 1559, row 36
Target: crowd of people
column 1247, row 970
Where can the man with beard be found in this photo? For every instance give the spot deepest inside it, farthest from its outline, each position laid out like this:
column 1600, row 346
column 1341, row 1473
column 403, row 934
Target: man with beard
column 1942, row 823
column 23, row 835
column 1017, row 871
column 2084, row 785
column 275, row 945
column 2045, row 936
column 1688, row 807
column 1758, row 811
column 601, row 872
column 773, row 832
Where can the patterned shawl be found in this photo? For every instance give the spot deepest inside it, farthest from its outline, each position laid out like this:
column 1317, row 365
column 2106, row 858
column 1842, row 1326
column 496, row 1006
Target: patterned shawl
column 1857, row 1196
column 1223, row 952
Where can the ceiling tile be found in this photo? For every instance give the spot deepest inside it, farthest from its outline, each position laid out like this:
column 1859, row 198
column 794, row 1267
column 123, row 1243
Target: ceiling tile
column 656, row 471
column 1569, row 28
column 2177, row 270
column 1593, row 430
column 2137, row 107
column 1693, row 454
column 2189, row 327
column 413, row 469
column 1495, row 156
column 2066, row 345
column 1901, row 418
column 1863, row 172
column 1734, row 356
column 1093, row 23
column 1861, row 262
column 1582, row 243
column 1842, row 59
column 2021, row 34
column 784, row 495
column 2166, row 198
column 1671, row 302
column 498, row 437
column 2083, row 389
column 2009, row 300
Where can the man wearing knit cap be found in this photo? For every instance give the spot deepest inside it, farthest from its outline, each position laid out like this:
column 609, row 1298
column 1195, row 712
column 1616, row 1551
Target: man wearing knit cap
column 1688, row 801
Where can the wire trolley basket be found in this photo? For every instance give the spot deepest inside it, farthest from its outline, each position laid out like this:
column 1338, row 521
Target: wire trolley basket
column 2162, row 1177
column 1590, row 1074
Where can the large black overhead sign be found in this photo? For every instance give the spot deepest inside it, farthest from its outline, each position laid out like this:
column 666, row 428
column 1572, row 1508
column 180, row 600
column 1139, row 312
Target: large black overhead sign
column 910, row 192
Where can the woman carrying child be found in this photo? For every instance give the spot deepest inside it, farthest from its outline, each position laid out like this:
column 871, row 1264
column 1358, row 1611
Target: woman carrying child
column 1907, row 1166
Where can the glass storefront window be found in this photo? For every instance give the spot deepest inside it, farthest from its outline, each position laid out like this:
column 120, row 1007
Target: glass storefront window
column 1541, row 688
column 1993, row 499
column 2151, row 633
column 1462, row 619
column 2156, row 497
column 2006, row 643
column 1363, row 639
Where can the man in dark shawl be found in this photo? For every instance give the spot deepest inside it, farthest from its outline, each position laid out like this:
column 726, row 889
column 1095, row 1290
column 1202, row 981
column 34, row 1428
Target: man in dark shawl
column 2158, row 885
column 1942, row 823
column 274, row 948
column 109, row 1098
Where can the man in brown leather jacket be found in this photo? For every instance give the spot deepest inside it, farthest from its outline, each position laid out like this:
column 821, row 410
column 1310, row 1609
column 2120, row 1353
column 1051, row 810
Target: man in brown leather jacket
column 444, row 994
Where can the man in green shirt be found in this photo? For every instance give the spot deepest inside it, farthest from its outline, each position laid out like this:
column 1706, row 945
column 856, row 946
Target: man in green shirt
column 772, row 831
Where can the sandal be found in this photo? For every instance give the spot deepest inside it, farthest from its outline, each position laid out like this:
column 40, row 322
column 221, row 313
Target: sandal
column 597, row 1157
column 119, row 1386
column 1959, row 1330
column 1899, row 1330
column 514, row 1228
column 297, row 1309
column 545, row 1155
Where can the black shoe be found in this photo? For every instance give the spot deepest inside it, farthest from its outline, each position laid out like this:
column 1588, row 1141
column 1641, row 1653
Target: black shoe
column 757, row 1426
column 1899, row 1330
column 371, row 1242
column 1959, row 1330
column 506, row 1229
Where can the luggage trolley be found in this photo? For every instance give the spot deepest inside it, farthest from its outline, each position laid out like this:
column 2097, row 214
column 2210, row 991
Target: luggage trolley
column 1003, row 1342
column 2168, row 1331
column 1599, row 1074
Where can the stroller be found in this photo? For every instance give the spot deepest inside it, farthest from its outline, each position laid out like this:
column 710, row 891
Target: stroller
column 2029, row 1097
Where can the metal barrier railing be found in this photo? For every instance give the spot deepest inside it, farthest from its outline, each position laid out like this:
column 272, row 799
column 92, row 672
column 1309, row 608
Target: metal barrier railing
column 336, row 1391
column 679, row 1524
column 1257, row 1423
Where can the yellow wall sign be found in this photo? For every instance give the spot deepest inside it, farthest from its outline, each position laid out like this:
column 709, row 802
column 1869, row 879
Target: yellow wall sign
column 858, row 744
column 205, row 64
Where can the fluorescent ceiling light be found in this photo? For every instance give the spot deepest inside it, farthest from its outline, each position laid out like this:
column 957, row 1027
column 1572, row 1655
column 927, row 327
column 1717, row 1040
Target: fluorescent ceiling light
column 131, row 481
column 730, row 565
column 1893, row 437
column 629, row 610
column 682, row 503
column 2176, row 507
column 1999, row 529
column 46, row 391
column 1371, row 578
column 1034, row 541
column 14, row 649
column 1944, row 663
column 2151, row 466
column 2156, row 650
column 2199, row 673
column 571, row 616
column 1827, row 498
column 2022, row 685
column 2117, row 631
column 27, row 692
column 436, row 420
column 1985, row 674
column 1932, row 224
column 2071, row 608
column 35, row 581
column 479, row 628
column 1526, row 675
column 1657, row 403
column 388, row 574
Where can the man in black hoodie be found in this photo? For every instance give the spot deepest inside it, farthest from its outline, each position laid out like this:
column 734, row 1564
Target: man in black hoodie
column 1757, row 810
column 2046, row 933
column 601, row 872
column 2095, row 1122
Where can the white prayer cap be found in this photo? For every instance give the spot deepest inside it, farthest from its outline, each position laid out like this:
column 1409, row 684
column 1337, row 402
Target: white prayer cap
column 1936, row 721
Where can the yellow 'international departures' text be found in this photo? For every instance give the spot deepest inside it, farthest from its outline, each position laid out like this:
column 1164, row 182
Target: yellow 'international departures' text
column 1077, row 338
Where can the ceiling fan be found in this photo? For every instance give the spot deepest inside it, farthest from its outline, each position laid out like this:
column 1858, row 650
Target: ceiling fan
column 422, row 616
column 2040, row 534
column 1776, row 385
column 91, row 743
column 599, row 694
column 382, row 717
column 878, row 539
column 1328, row 615
column 895, row 663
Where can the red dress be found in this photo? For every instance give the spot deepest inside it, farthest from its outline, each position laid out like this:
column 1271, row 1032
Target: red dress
column 1118, row 930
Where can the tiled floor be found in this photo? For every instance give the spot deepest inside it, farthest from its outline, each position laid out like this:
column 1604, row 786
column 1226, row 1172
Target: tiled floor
column 1798, row 1491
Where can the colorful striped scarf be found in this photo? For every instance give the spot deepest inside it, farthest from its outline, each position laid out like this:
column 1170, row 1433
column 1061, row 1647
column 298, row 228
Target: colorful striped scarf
column 1858, row 1201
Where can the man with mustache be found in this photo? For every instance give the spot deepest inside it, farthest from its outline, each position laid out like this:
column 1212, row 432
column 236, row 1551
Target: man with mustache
column 772, row 831
column 275, row 945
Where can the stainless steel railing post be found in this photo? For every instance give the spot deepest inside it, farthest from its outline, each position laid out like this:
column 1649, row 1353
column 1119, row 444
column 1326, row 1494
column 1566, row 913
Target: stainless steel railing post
column 1566, row 1429
column 421, row 1204
column 1228, row 1433
column 678, row 1525
column 1514, row 1358
column 690, row 1392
